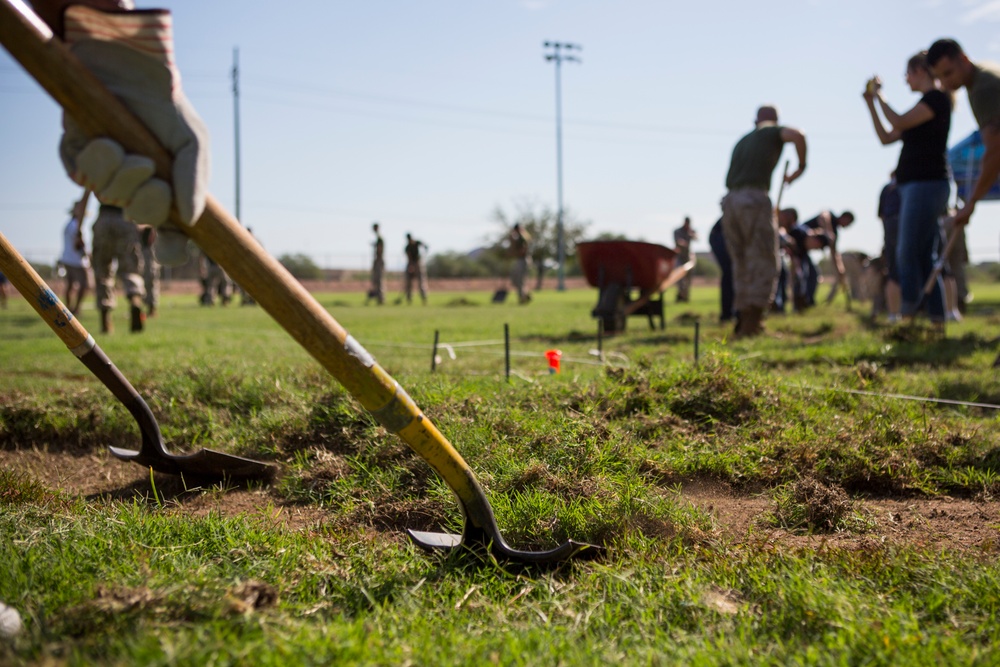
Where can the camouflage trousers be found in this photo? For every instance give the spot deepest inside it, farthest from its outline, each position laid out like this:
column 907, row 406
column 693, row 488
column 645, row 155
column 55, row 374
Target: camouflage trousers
column 415, row 273
column 151, row 276
column 751, row 234
column 116, row 240
column 377, row 290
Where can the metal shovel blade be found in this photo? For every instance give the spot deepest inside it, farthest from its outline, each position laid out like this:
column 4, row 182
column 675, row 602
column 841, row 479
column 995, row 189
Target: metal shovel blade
column 481, row 534
column 203, row 463
column 432, row 542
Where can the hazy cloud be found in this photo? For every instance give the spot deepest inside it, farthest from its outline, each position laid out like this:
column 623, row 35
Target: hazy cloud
column 535, row 5
column 984, row 11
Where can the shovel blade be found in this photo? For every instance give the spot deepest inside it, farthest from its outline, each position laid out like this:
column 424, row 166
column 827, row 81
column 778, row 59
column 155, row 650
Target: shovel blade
column 434, row 541
column 204, row 463
column 448, row 541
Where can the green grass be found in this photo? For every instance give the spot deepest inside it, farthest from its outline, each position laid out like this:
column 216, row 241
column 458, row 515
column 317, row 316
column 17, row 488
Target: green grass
column 596, row 453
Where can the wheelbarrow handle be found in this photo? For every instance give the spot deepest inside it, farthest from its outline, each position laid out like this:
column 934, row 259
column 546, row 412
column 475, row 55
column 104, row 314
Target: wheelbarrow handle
column 99, row 113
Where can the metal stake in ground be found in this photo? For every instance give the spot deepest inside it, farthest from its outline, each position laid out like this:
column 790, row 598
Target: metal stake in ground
column 434, row 352
column 99, row 113
column 697, row 333
column 506, row 351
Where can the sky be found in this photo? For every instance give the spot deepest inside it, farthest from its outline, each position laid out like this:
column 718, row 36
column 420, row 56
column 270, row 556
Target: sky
column 427, row 116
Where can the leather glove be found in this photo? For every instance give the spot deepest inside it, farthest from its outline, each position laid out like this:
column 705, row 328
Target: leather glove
column 132, row 54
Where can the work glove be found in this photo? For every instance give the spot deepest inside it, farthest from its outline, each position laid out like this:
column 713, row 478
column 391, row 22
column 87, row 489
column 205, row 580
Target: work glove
column 132, row 54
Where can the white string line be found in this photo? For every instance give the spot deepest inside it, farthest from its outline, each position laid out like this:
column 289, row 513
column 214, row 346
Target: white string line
column 475, row 343
column 905, row 397
column 450, row 349
column 425, row 346
column 514, row 353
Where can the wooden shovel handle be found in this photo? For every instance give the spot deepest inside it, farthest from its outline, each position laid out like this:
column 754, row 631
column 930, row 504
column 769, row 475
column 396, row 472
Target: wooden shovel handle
column 31, row 286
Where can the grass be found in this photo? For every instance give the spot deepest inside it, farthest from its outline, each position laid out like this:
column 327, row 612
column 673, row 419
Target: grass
column 597, row 453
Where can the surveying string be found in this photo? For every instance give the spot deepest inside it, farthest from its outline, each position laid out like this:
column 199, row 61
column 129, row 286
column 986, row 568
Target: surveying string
column 905, row 397
column 421, row 346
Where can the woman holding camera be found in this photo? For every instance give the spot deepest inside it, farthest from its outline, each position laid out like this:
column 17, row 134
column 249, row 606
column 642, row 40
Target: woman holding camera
column 922, row 177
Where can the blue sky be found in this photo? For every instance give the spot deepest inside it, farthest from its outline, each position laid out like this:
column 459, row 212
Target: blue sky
column 427, row 115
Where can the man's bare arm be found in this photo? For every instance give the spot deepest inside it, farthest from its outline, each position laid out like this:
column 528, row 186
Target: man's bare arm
column 989, row 171
column 795, row 137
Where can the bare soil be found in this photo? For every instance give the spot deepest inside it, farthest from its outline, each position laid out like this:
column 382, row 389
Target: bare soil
column 939, row 523
column 935, row 524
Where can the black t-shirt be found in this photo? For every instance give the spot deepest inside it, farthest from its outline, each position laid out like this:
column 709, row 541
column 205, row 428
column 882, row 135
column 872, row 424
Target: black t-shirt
column 923, row 157
column 816, row 225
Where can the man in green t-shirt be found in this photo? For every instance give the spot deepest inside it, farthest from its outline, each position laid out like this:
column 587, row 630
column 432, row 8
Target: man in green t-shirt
column 982, row 82
column 415, row 270
column 748, row 220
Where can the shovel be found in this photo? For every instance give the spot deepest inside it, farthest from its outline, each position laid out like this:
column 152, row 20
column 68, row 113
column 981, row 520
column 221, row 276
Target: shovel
column 153, row 453
column 221, row 236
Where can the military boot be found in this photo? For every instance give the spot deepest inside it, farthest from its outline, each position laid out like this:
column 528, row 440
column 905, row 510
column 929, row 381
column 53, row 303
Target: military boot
column 106, row 325
column 750, row 322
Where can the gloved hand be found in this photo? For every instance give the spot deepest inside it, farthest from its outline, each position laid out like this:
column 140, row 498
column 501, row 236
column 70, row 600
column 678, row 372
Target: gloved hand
column 108, row 44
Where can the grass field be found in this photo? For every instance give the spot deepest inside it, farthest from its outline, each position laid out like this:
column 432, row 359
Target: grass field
column 785, row 500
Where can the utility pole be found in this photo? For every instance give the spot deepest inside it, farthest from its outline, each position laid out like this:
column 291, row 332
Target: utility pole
column 557, row 56
column 236, row 124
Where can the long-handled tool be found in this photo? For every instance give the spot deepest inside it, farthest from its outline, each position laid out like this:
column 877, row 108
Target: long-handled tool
column 935, row 272
column 99, row 113
column 674, row 277
column 153, row 453
column 781, row 190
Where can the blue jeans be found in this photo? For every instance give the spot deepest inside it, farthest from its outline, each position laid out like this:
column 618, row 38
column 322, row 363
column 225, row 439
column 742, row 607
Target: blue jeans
column 781, row 291
column 718, row 244
column 922, row 205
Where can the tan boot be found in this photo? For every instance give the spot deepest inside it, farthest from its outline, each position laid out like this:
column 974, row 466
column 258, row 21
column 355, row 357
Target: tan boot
column 749, row 324
column 106, row 325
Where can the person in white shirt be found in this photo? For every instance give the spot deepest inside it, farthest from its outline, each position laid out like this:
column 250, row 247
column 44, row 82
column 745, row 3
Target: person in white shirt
column 74, row 259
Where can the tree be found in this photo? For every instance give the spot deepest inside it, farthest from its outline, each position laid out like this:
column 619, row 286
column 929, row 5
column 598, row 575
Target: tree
column 540, row 223
column 301, row 266
column 463, row 265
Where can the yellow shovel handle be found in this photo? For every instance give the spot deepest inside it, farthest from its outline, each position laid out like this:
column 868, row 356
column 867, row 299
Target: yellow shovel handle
column 31, row 286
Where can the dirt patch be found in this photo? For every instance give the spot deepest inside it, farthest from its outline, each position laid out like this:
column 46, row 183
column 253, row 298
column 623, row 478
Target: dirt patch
column 99, row 477
column 943, row 523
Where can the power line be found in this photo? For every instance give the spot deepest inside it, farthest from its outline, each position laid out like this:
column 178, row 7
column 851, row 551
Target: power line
column 275, row 85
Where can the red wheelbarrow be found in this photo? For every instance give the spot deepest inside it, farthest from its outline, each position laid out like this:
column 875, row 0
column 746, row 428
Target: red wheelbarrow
column 631, row 277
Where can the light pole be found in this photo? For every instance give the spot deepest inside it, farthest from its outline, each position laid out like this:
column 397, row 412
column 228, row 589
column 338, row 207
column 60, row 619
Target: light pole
column 236, row 124
column 558, row 56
